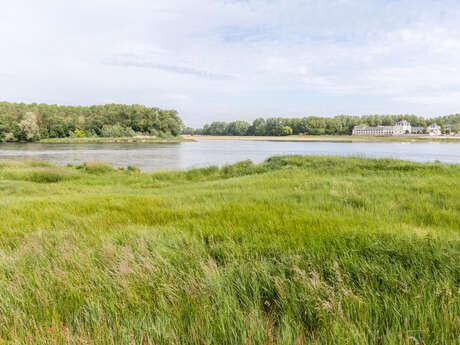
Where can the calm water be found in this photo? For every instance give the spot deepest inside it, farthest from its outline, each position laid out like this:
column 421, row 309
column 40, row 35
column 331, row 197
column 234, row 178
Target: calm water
column 198, row 154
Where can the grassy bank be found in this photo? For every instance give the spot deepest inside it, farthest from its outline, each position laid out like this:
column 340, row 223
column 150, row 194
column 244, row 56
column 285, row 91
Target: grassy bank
column 297, row 250
column 338, row 138
column 89, row 140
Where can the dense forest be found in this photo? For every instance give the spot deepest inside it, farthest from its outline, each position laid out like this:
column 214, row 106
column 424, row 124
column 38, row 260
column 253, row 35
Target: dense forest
column 313, row 125
column 31, row 122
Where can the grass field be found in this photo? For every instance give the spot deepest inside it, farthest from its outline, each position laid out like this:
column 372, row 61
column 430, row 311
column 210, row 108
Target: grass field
column 296, row 250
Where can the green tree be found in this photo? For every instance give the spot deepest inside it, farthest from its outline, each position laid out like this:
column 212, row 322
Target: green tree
column 274, row 126
column 238, row 128
column 29, row 127
column 315, row 125
column 258, row 127
column 287, row 130
column 61, row 121
column 216, row 128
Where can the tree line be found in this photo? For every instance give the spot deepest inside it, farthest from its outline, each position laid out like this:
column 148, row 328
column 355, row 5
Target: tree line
column 314, row 125
column 31, row 122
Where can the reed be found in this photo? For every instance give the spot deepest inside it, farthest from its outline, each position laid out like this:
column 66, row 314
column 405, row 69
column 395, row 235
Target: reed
column 296, row 250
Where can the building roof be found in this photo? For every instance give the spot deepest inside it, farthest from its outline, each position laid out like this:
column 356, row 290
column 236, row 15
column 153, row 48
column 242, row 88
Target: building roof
column 378, row 128
column 383, row 128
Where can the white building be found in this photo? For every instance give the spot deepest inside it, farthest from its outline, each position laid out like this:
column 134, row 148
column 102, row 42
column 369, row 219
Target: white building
column 433, row 129
column 400, row 128
column 373, row 131
column 417, row 130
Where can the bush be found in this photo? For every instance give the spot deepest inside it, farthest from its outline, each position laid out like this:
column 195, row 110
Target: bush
column 287, row 130
column 8, row 137
column 165, row 135
column 79, row 133
column 117, row 131
column 154, row 132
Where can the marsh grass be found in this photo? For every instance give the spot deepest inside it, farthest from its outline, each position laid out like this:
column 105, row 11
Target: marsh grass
column 96, row 167
column 39, row 172
column 296, row 250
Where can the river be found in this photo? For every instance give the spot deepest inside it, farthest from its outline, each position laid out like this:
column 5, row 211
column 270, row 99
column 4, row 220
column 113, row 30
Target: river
column 149, row 157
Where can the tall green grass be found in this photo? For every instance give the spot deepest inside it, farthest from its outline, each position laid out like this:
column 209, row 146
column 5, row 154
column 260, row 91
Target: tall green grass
column 296, row 250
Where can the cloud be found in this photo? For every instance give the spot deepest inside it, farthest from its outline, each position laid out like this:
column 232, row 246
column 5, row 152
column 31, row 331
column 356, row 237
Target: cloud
column 6, row 76
column 133, row 62
column 222, row 59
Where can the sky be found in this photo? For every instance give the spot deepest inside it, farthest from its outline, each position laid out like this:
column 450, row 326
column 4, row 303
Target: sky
column 224, row 60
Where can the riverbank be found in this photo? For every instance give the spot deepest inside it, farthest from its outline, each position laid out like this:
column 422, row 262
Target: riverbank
column 95, row 140
column 296, row 250
column 315, row 138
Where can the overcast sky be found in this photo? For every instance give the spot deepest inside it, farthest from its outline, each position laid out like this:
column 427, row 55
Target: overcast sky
column 229, row 59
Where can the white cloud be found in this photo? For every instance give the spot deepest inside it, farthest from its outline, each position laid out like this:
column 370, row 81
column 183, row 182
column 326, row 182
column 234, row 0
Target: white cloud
column 222, row 59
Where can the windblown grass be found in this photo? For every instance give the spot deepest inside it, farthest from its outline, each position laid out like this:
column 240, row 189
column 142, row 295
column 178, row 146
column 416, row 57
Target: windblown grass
column 39, row 172
column 297, row 250
column 96, row 167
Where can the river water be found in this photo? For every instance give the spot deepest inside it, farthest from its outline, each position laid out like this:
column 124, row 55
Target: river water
column 154, row 156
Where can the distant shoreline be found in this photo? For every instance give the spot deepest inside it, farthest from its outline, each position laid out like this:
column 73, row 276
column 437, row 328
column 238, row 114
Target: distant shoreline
column 290, row 138
column 100, row 140
column 324, row 138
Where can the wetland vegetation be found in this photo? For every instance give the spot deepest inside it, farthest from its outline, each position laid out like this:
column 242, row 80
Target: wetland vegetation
column 295, row 250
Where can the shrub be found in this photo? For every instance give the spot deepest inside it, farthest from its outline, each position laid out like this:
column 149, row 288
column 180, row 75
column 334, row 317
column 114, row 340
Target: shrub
column 287, row 130
column 9, row 137
column 117, row 131
column 165, row 135
column 79, row 133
